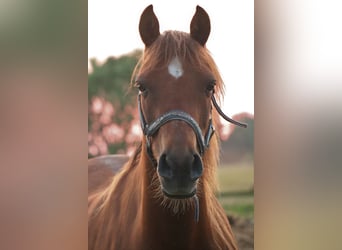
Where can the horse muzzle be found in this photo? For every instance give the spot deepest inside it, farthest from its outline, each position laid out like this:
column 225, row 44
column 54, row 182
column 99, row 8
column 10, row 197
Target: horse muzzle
column 179, row 174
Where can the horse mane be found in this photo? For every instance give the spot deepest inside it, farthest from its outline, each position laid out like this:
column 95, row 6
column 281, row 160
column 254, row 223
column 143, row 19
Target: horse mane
column 103, row 205
column 126, row 183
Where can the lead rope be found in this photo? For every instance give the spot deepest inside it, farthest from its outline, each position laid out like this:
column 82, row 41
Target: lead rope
column 196, row 201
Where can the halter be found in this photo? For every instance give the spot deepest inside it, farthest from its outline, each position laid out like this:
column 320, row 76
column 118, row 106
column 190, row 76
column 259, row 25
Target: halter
column 202, row 140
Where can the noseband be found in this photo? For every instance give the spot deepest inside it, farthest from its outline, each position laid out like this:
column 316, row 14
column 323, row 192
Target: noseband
column 203, row 141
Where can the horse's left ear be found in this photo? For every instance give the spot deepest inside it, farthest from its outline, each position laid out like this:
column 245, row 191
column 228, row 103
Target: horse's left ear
column 200, row 26
column 148, row 26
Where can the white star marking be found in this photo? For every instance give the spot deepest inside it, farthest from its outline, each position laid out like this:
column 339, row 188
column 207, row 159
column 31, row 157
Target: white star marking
column 175, row 68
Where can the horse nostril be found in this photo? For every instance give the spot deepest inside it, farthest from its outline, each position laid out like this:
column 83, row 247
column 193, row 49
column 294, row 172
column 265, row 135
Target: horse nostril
column 197, row 168
column 164, row 169
column 175, row 166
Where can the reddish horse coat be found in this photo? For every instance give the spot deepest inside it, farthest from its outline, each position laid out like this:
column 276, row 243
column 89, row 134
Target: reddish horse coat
column 135, row 209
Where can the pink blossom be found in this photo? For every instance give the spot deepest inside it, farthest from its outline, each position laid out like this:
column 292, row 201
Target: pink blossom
column 113, row 133
column 108, row 109
column 97, row 105
column 130, row 150
column 93, row 150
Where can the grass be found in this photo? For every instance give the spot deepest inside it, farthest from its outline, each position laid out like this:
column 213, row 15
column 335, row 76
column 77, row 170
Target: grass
column 244, row 210
column 236, row 188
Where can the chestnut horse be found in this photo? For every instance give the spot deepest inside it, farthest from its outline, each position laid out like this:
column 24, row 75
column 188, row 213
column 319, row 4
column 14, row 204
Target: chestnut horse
column 164, row 195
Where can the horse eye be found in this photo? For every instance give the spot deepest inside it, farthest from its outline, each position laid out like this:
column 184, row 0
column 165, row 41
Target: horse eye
column 211, row 86
column 140, row 86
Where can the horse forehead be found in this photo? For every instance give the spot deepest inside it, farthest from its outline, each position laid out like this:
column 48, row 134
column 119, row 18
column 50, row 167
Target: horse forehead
column 175, row 68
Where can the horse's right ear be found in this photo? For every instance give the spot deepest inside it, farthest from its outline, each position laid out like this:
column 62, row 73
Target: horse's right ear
column 148, row 26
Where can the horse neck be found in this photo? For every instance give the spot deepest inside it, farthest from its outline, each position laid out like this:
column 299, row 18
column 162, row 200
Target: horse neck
column 212, row 231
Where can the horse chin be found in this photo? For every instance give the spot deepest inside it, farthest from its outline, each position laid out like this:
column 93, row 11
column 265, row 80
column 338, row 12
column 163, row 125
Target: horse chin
column 179, row 196
column 177, row 190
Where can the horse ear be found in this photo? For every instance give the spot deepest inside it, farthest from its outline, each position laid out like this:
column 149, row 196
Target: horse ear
column 148, row 26
column 200, row 26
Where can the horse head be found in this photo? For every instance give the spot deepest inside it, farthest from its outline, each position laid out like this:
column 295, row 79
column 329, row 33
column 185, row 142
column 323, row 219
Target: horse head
column 177, row 79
